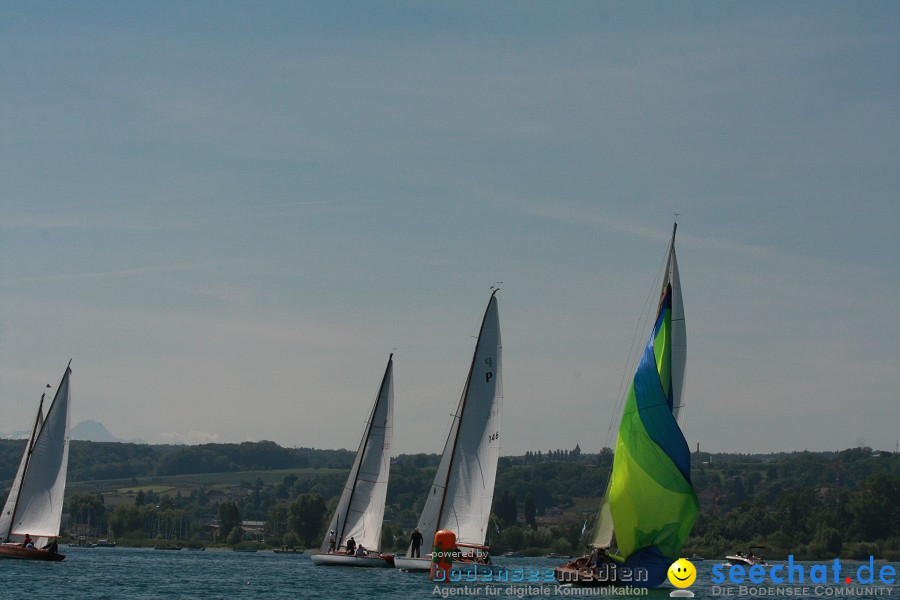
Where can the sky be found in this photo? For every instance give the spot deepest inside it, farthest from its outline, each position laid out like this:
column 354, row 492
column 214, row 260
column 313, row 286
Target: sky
column 229, row 214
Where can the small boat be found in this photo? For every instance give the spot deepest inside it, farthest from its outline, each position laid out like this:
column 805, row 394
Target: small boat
column 749, row 559
column 105, row 544
column 554, row 555
column 696, row 558
column 462, row 492
column 367, row 559
column 167, row 547
column 12, row 550
column 356, row 524
column 82, row 543
column 649, row 503
column 35, row 502
column 288, row 550
column 512, row 554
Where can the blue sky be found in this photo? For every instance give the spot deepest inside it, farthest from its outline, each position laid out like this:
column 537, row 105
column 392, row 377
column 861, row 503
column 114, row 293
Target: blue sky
column 229, row 214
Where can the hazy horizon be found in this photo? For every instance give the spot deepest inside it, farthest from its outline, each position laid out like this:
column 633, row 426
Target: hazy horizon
column 87, row 429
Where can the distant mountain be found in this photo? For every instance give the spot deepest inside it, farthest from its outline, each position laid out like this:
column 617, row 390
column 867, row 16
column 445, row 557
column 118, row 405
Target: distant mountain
column 94, row 431
column 15, row 435
column 88, row 431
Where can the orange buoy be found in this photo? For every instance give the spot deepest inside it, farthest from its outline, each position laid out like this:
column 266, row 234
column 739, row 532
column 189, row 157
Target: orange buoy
column 442, row 555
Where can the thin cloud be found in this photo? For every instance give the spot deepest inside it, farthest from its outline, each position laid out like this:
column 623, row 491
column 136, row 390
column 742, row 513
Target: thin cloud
column 78, row 223
column 184, row 211
column 577, row 216
column 171, row 268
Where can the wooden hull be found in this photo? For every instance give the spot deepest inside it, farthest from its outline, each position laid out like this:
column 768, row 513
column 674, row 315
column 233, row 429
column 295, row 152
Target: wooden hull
column 345, row 560
column 580, row 572
column 577, row 576
column 17, row 551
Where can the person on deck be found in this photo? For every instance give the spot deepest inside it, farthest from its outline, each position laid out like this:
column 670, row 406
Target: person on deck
column 416, row 540
column 27, row 543
column 598, row 556
column 351, row 546
column 331, row 542
column 361, row 550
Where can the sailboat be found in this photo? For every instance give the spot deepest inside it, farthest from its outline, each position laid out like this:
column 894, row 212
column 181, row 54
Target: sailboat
column 463, row 488
column 360, row 510
column 35, row 502
column 650, row 505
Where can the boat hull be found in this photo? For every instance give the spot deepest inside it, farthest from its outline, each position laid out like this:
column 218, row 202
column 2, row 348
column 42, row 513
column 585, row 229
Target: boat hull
column 469, row 567
column 580, row 576
column 413, row 564
column 579, row 572
column 747, row 561
column 345, row 560
column 423, row 565
column 17, row 551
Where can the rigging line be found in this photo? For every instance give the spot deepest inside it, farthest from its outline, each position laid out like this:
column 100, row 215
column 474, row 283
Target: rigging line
column 634, row 356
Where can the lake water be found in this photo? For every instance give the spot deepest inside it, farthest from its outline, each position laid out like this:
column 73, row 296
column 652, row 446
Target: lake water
column 125, row 573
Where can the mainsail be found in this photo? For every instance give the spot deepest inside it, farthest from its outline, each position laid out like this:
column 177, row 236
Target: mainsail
column 463, row 488
column 12, row 500
column 650, row 503
column 40, row 503
column 360, row 510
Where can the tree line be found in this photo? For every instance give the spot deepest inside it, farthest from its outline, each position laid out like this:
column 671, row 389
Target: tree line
column 812, row 505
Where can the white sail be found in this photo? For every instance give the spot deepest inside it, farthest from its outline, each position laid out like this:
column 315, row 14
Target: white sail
column 41, row 494
column 603, row 528
column 360, row 510
column 431, row 512
column 13, row 498
column 463, row 489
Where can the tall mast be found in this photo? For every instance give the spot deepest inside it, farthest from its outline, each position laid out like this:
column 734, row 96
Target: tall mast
column 39, row 433
column 29, row 446
column 462, row 409
column 363, row 444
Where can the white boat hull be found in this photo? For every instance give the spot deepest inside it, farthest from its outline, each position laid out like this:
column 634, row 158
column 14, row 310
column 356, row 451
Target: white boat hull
column 419, row 565
column 482, row 569
column 413, row 564
column 748, row 561
column 345, row 560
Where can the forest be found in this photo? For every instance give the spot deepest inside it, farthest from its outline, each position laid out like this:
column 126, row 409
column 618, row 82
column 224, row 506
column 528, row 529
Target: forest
column 813, row 505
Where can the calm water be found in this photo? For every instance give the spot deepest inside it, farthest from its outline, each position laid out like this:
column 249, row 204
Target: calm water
column 141, row 573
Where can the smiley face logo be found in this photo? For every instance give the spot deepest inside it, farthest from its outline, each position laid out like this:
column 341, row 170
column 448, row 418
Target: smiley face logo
column 682, row 573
